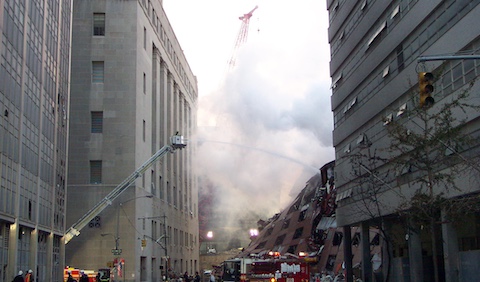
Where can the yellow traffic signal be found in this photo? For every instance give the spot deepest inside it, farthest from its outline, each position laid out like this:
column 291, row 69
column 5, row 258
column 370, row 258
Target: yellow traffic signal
column 425, row 81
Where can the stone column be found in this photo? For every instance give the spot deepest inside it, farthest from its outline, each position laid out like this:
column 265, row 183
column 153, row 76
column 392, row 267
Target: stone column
column 450, row 250
column 347, row 252
column 367, row 275
column 415, row 256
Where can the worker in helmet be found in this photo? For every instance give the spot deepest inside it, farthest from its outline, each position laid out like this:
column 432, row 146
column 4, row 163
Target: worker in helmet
column 70, row 277
column 29, row 276
column 83, row 276
column 19, row 277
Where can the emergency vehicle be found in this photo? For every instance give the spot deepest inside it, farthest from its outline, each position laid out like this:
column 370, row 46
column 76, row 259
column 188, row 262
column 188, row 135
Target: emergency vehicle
column 235, row 270
column 75, row 272
column 279, row 270
column 265, row 270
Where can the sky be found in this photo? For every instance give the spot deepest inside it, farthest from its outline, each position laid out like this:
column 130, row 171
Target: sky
column 265, row 125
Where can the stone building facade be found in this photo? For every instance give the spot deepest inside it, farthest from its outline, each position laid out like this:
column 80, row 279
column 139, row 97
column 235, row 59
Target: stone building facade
column 131, row 89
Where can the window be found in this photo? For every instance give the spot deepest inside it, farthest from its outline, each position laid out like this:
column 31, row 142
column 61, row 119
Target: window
column 388, row 119
column 269, row 231
column 350, row 105
column 364, row 5
column 95, row 172
column 169, row 193
column 302, row 215
column 144, row 83
column 402, row 110
column 280, row 239
column 261, row 245
column 337, row 238
column 99, row 24
column 386, row 71
column 356, row 239
column 143, row 130
column 98, row 71
column 377, row 33
column 330, row 262
column 97, row 122
column 336, row 81
column 395, row 12
column 292, row 249
column 160, row 188
column 363, row 141
column 145, row 38
column 298, row 233
column 400, row 60
column 175, row 196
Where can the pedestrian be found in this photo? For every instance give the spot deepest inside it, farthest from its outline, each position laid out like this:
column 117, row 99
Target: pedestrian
column 19, row 277
column 83, row 276
column 197, row 277
column 29, row 276
column 185, row 277
column 70, row 278
column 212, row 277
column 97, row 278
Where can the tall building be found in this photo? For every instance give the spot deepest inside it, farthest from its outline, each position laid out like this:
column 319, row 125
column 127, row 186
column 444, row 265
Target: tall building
column 131, row 89
column 34, row 100
column 375, row 46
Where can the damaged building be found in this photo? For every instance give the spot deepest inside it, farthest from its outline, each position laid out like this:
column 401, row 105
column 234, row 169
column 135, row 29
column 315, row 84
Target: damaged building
column 307, row 229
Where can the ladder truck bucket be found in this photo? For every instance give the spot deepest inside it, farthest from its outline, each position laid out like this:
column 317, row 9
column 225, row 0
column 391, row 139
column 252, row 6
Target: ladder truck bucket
column 178, row 142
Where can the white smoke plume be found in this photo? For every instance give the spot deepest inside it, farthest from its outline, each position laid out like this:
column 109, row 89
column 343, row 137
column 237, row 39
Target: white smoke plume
column 267, row 127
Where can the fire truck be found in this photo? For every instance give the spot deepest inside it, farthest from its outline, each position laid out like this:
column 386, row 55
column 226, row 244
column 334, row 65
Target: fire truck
column 265, row 270
column 75, row 272
column 279, row 270
column 235, row 270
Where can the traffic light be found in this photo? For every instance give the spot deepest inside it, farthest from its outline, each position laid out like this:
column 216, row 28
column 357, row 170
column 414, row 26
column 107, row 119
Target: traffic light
column 425, row 81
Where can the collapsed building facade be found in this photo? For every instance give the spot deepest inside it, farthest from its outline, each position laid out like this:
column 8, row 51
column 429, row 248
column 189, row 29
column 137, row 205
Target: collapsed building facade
column 306, row 229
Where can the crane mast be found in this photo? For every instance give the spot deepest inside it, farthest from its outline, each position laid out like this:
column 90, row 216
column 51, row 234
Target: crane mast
column 242, row 34
column 176, row 142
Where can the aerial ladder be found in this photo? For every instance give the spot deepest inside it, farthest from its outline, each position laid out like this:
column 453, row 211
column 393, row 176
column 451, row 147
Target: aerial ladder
column 176, row 142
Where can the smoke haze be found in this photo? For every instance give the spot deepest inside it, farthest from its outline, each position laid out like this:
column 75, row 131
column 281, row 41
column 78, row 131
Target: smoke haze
column 264, row 127
column 267, row 128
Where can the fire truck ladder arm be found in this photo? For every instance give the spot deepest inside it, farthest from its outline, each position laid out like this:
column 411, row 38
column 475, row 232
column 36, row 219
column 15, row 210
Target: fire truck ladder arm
column 177, row 142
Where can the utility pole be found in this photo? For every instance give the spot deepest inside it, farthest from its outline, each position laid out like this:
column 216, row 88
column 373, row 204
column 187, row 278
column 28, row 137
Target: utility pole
column 164, row 245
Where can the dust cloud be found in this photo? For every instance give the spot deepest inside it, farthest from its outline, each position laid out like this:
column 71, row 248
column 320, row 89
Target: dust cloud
column 268, row 127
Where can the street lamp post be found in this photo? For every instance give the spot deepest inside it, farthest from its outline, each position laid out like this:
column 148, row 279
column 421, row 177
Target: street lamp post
column 117, row 251
column 164, row 246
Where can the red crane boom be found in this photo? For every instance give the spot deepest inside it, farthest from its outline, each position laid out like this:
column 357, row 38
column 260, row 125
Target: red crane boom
column 242, row 34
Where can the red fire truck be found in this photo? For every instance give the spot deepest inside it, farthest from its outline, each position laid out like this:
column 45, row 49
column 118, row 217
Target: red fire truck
column 265, row 270
column 279, row 270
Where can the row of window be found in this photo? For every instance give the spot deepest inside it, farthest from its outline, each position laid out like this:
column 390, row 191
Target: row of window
column 455, row 75
column 336, row 240
column 406, row 52
column 99, row 30
column 173, row 195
